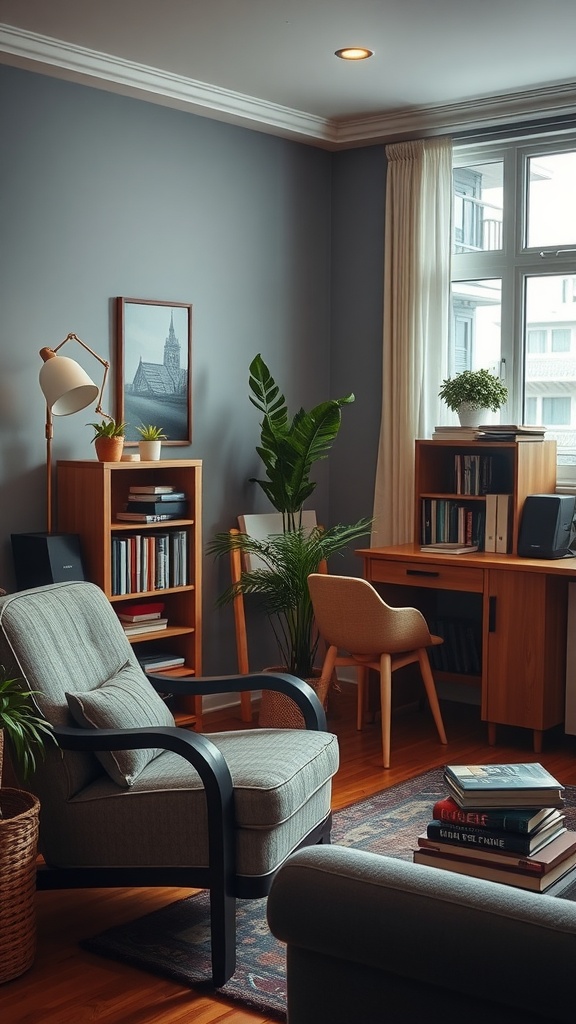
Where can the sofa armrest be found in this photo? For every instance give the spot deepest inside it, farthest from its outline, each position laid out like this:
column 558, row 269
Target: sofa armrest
column 433, row 930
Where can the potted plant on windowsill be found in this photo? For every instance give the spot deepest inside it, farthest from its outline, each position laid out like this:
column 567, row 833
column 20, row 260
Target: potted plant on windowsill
column 108, row 439
column 471, row 392
column 150, row 443
column 25, row 732
column 288, row 449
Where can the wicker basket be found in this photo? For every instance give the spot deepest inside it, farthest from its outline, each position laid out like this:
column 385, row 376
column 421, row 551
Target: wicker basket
column 18, row 846
column 277, row 711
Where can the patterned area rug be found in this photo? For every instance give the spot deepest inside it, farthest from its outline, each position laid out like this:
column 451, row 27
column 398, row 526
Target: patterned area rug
column 175, row 941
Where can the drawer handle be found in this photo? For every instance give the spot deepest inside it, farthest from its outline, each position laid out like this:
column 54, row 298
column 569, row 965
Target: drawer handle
column 421, row 572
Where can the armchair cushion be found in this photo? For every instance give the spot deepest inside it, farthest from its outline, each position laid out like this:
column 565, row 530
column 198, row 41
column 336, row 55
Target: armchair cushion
column 125, row 701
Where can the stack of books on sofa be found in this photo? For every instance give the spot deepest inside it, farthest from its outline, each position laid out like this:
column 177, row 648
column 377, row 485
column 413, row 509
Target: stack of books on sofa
column 502, row 822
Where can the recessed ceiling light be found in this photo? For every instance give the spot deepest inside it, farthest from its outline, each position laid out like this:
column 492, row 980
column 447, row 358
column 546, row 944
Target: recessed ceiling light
column 354, row 53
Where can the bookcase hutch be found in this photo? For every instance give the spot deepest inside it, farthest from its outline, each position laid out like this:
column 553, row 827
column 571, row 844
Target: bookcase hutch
column 89, row 496
column 503, row 616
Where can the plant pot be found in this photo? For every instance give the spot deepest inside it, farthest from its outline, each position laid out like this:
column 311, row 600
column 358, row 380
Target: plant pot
column 277, row 711
column 18, row 851
column 109, row 449
column 150, row 450
column 470, row 416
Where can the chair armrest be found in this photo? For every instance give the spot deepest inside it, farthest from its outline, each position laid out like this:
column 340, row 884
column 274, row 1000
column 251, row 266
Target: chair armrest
column 300, row 692
column 455, row 933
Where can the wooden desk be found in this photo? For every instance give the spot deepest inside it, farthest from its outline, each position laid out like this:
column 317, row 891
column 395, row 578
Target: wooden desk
column 521, row 612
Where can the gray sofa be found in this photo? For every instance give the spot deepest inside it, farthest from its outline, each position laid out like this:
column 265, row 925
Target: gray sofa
column 372, row 940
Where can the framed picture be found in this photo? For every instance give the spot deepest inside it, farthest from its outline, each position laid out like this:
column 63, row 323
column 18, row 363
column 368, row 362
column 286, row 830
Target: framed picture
column 153, row 359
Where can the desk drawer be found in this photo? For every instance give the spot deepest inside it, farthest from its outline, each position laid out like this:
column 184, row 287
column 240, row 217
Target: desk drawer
column 427, row 574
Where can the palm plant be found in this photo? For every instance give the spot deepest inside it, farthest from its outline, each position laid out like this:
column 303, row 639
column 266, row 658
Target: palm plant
column 282, row 583
column 288, row 449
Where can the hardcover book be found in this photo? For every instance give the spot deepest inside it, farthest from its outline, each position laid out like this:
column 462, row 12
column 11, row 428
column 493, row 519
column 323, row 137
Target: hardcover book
column 503, row 785
column 151, row 489
column 495, row 872
column 511, row 819
column 540, row 863
column 157, row 498
column 158, row 507
column 467, row 836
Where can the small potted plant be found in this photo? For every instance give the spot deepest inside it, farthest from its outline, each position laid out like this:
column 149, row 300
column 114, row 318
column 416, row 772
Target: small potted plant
column 150, row 442
column 108, row 439
column 470, row 392
column 25, row 731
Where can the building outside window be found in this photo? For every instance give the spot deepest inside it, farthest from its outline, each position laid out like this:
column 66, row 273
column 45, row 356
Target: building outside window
column 514, row 279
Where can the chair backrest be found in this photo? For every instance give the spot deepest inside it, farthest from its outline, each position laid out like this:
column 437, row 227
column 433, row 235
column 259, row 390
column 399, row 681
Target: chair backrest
column 351, row 615
column 62, row 638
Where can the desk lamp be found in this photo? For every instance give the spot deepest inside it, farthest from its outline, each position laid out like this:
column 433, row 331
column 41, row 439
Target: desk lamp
column 67, row 388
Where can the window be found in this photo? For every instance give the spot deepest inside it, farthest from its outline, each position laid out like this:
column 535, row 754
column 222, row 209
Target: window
column 514, row 279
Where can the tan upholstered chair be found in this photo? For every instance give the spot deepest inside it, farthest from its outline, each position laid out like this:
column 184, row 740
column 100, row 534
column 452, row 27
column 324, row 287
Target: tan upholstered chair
column 360, row 629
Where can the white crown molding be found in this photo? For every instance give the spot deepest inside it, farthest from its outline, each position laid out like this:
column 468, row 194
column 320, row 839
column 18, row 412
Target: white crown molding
column 35, row 52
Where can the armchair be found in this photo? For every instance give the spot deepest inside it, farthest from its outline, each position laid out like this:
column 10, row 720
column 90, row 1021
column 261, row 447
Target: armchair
column 129, row 799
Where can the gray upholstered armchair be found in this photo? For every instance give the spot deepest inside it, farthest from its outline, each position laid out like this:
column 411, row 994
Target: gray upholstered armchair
column 129, row 799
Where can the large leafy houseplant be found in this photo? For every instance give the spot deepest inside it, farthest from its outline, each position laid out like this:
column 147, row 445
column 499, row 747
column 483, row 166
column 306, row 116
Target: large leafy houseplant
column 25, row 730
column 288, row 449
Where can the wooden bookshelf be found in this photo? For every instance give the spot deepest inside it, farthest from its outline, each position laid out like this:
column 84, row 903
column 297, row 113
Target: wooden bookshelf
column 89, row 496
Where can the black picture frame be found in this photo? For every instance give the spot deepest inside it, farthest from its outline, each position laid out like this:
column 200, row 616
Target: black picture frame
column 153, row 368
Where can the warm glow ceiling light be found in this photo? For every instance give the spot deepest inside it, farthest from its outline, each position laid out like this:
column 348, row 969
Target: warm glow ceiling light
column 354, row 53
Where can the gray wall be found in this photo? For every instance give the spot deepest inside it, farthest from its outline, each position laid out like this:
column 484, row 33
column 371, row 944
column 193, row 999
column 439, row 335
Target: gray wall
column 103, row 195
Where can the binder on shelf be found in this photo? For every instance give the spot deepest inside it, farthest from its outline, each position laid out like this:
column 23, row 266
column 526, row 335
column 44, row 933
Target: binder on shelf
column 490, row 529
column 502, row 522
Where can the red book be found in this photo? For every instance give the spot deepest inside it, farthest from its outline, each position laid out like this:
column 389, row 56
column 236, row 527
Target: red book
column 135, row 611
column 525, row 821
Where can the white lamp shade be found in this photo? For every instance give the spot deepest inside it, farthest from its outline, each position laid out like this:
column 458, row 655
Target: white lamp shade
column 66, row 386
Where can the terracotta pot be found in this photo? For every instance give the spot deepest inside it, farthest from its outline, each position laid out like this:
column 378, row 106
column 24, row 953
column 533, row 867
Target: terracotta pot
column 109, row 449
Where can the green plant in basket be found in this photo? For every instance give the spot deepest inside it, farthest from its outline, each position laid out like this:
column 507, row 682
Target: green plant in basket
column 24, row 728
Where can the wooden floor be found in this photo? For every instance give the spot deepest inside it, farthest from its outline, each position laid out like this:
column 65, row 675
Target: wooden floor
column 68, row 986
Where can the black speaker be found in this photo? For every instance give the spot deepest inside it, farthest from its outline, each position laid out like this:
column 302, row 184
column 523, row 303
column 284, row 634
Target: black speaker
column 41, row 558
column 546, row 526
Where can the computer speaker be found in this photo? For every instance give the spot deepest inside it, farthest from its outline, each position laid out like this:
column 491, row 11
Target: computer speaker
column 546, row 526
column 42, row 558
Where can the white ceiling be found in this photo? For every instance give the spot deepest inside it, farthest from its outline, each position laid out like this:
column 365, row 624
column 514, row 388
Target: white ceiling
column 438, row 65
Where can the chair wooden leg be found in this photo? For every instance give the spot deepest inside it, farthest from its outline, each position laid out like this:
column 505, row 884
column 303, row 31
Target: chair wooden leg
column 222, row 935
column 386, row 705
column 430, row 686
column 362, row 684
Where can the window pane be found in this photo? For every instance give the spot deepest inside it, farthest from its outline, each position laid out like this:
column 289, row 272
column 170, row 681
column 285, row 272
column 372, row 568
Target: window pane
column 551, row 200
column 476, row 326
column 536, row 341
column 550, row 372
column 477, row 203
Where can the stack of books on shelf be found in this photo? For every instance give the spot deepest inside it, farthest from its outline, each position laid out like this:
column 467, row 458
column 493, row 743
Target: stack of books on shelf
column 142, row 618
column 511, row 432
column 504, row 823
column 160, row 661
column 149, row 561
column 154, row 504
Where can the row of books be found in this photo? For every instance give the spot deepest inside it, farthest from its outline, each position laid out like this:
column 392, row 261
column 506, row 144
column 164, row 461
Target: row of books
column 454, row 528
column 152, row 503
column 151, row 561
column 474, row 474
column 503, row 823
column 447, row 521
column 461, row 651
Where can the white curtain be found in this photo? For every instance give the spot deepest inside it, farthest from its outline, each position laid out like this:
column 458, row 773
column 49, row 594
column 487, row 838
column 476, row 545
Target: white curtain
column 416, row 311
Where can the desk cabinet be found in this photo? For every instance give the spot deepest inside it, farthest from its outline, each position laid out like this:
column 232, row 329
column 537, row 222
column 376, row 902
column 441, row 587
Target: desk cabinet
column 522, row 608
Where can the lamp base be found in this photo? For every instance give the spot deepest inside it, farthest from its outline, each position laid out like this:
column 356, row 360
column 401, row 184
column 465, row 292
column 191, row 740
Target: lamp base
column 43, row 558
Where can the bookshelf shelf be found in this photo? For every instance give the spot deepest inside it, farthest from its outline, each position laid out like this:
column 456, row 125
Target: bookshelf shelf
column 90, row 494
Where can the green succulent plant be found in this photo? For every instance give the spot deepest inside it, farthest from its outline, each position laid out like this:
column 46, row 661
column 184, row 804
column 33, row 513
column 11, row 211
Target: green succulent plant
column 108, row 428
column 478, row 388
column 148, row 432
column 24, row 728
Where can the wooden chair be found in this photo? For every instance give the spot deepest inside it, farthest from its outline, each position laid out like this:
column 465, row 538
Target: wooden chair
column 360, row 629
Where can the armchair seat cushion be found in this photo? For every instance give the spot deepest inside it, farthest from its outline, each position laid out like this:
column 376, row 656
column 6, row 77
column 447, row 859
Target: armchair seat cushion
column 282, row 786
